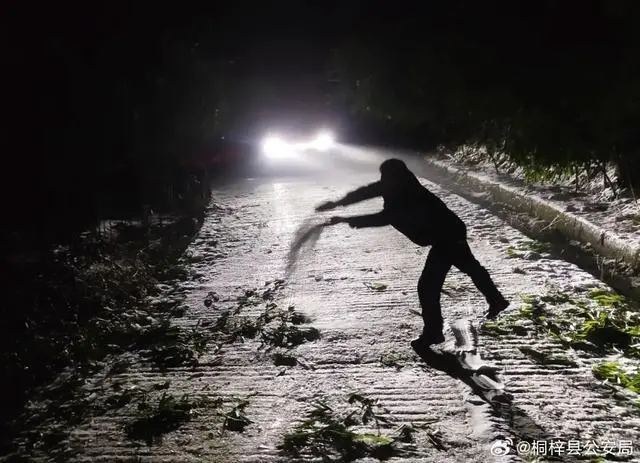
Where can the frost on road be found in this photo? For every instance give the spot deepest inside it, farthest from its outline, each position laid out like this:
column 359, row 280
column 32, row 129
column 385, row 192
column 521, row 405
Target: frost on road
column 321, row 362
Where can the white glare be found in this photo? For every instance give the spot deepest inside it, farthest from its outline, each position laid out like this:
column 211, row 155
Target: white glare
column 274, row 146
column 324, row 141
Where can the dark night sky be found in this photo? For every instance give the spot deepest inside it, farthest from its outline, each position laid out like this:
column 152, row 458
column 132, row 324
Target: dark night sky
column 234, row 28
column 279, row 42
column 283, row 42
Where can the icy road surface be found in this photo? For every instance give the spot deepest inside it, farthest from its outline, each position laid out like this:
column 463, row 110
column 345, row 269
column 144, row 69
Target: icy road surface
column 358, row 287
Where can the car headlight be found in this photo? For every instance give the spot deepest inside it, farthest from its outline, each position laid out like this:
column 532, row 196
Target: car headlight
column 274, row 146
column 324, row 141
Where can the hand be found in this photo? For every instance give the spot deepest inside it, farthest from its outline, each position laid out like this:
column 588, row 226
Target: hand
column 326, row 206
column 335, row 220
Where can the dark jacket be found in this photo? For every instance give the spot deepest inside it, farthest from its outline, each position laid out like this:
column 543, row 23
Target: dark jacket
column 411, row 209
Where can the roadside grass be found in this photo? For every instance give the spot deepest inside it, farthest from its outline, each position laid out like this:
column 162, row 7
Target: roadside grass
column 353, row 430
column 598, row 323
column 614, row 374
column 110, row 305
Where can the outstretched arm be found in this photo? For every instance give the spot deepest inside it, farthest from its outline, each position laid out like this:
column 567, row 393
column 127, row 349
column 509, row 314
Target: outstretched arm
column 379, row 219
column 361, row 194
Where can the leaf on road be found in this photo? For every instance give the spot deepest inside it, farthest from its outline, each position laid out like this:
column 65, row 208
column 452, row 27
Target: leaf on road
column 376, row 286
column 372, row 439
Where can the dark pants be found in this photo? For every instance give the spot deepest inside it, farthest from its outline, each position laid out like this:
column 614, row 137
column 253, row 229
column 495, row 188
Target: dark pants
column 441, row 257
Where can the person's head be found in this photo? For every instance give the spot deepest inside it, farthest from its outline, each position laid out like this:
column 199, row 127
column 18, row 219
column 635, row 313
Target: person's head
column 395, row 174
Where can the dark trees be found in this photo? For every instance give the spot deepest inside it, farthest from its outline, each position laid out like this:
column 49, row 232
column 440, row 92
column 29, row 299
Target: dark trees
column 549, row 83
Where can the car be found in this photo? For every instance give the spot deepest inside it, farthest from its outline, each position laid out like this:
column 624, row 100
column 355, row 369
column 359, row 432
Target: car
column 251, row 154
column 278, row 145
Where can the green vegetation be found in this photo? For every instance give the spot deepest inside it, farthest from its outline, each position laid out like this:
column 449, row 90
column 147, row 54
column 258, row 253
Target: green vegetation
column 599, row 323
column 347, row 435
column 614, row 374
column 527, row 246
column 236, row 419
column 168, row 414
column 274, row 327
column 158, row 415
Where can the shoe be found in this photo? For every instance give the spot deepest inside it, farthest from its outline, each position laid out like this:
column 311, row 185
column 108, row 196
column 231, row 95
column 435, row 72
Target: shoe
column 495, row 309
column 427, row 340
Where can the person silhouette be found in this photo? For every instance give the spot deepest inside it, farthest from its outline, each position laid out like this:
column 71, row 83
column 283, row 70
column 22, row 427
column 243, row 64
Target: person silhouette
column 426, row 220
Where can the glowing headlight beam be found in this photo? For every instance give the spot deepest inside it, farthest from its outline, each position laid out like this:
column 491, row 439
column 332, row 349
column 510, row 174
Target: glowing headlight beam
column 324, row 141
column 274, row 146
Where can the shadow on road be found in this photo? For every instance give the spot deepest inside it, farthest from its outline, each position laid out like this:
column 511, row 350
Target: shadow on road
column 449, row 363
column 520, row 423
